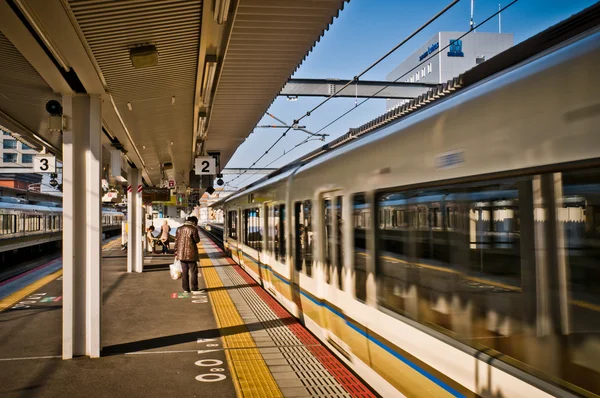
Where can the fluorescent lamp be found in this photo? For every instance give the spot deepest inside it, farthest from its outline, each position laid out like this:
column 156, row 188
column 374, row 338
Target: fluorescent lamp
column 201, row 125
column 143, row 56
column 210, row 68
column 221, row 11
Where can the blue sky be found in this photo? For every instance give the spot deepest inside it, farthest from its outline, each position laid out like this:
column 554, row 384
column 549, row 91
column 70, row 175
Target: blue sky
column 364, row 31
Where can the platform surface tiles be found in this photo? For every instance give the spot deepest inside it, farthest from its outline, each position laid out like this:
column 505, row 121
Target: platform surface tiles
column 229, row 339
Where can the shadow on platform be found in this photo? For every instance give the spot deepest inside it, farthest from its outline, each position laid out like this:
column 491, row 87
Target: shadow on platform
column 166, row 341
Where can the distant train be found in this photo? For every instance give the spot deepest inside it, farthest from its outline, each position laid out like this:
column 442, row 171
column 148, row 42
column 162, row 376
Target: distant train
column 24, row 225
column 456, row 251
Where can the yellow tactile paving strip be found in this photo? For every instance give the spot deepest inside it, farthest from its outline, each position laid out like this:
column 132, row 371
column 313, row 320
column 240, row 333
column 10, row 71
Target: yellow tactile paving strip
column 250, row 373
column 17, row 296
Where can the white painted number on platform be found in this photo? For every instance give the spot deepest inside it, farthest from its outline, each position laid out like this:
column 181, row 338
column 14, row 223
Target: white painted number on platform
column 206, row 165
column 34, row 298
column 44, row 164
column 216, row 373
column 200, row 297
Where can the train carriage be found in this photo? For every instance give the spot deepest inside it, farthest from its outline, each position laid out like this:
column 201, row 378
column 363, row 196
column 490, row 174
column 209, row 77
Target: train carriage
column 31, row 226
column 477, row 277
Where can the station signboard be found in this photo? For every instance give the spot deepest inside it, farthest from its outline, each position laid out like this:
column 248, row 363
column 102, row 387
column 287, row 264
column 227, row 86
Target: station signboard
column 150, row 195
column 44, row 164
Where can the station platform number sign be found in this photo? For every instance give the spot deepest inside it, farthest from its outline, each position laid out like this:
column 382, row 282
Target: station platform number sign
column 44, row 164
column 205, row 165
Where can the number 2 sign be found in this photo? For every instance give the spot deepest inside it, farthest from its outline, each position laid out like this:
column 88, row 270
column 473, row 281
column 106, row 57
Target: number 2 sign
column 206, row 165
column 44, row 164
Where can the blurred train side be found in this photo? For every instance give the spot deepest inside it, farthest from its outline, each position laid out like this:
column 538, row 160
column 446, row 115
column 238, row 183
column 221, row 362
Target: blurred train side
column 436, row 279
column 24, row 225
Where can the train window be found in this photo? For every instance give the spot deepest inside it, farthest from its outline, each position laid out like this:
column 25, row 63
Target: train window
column 488, row 249
column 8, row 224
column 339, row 239
column 272, row 225
column 304, row 237
column 578, row 236
column 253, row 228
column 361, row 255
column 280, row 253
column 231, row 224
column 328, row 238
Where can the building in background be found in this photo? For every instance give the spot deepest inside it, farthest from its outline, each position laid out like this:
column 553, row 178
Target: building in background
column 430, row 65
column 14, row 155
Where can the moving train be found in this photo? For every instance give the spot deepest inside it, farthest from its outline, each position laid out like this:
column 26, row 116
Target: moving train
column 26, row 225
column 454, row 251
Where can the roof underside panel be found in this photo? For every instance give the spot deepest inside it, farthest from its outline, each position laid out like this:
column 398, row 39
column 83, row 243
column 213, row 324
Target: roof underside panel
column 23, row 94
column 269, row 39
column 111, row 28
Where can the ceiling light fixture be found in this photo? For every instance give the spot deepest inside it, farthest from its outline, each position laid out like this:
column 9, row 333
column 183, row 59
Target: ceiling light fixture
column 171, row 142
column 221, row 11
column 173, row 100
column 129, row 106
column 143, row 56
column 143, row 146
column 210, row 68
column 201, row 124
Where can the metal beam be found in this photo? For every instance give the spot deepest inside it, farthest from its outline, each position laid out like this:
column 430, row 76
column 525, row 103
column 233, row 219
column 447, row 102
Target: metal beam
column 362, row 89
column 16, row 170
column 253, row 171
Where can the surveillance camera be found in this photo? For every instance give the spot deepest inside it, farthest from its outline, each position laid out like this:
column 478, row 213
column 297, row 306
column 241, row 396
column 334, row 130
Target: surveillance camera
column 54, row 108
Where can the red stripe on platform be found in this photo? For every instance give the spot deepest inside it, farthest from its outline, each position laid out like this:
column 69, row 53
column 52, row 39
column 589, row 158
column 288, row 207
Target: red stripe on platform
column 337, row 369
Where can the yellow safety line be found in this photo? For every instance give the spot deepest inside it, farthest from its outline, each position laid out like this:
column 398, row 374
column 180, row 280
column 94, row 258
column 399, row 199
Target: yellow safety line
column 17, row 296
column 9, row 301
column 250, row 373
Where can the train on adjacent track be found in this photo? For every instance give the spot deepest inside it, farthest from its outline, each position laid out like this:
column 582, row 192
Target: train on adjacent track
column 455, row 251
column 27, row 226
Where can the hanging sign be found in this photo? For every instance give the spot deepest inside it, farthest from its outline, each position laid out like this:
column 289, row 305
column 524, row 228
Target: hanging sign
column 206, row 165
column 44, row 164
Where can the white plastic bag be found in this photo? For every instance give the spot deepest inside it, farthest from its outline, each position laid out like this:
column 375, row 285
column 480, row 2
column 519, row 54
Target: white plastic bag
column 176, row 270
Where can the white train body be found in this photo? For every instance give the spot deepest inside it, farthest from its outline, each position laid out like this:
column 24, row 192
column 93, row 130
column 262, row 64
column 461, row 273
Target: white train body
column 528, row 139
column 24, row 225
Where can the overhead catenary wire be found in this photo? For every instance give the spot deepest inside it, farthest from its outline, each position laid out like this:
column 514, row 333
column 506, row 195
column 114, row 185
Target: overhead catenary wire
column 304, row 141
column 415, row 67
column 380, row 90
column 357, row 77
column 307, row 114
column 263, row 155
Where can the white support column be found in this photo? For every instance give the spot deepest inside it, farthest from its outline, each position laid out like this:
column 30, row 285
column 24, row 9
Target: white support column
column 131, row 244
column 82, row 221
column 138, row 266
column 135, row 234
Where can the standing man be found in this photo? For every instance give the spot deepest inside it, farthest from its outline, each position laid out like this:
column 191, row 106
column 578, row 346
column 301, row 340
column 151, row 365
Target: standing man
column 186, row 251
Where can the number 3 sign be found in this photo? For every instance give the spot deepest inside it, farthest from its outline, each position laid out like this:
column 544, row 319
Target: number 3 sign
column 206, row 165
column 44, row 164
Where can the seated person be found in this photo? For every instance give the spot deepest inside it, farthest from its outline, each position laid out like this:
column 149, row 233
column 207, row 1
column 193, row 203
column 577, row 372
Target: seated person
column 152, row 240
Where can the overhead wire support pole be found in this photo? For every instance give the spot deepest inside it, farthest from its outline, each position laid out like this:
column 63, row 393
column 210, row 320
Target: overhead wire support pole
column 294, row 126
column 355, row 79
column 418, row 65
column 452, row 4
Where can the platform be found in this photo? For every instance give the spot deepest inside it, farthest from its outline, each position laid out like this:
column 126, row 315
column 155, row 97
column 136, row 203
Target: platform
column 230, row 339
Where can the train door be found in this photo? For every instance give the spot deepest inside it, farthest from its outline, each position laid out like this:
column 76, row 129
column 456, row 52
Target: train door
column 237, row 245
column 333, row 260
